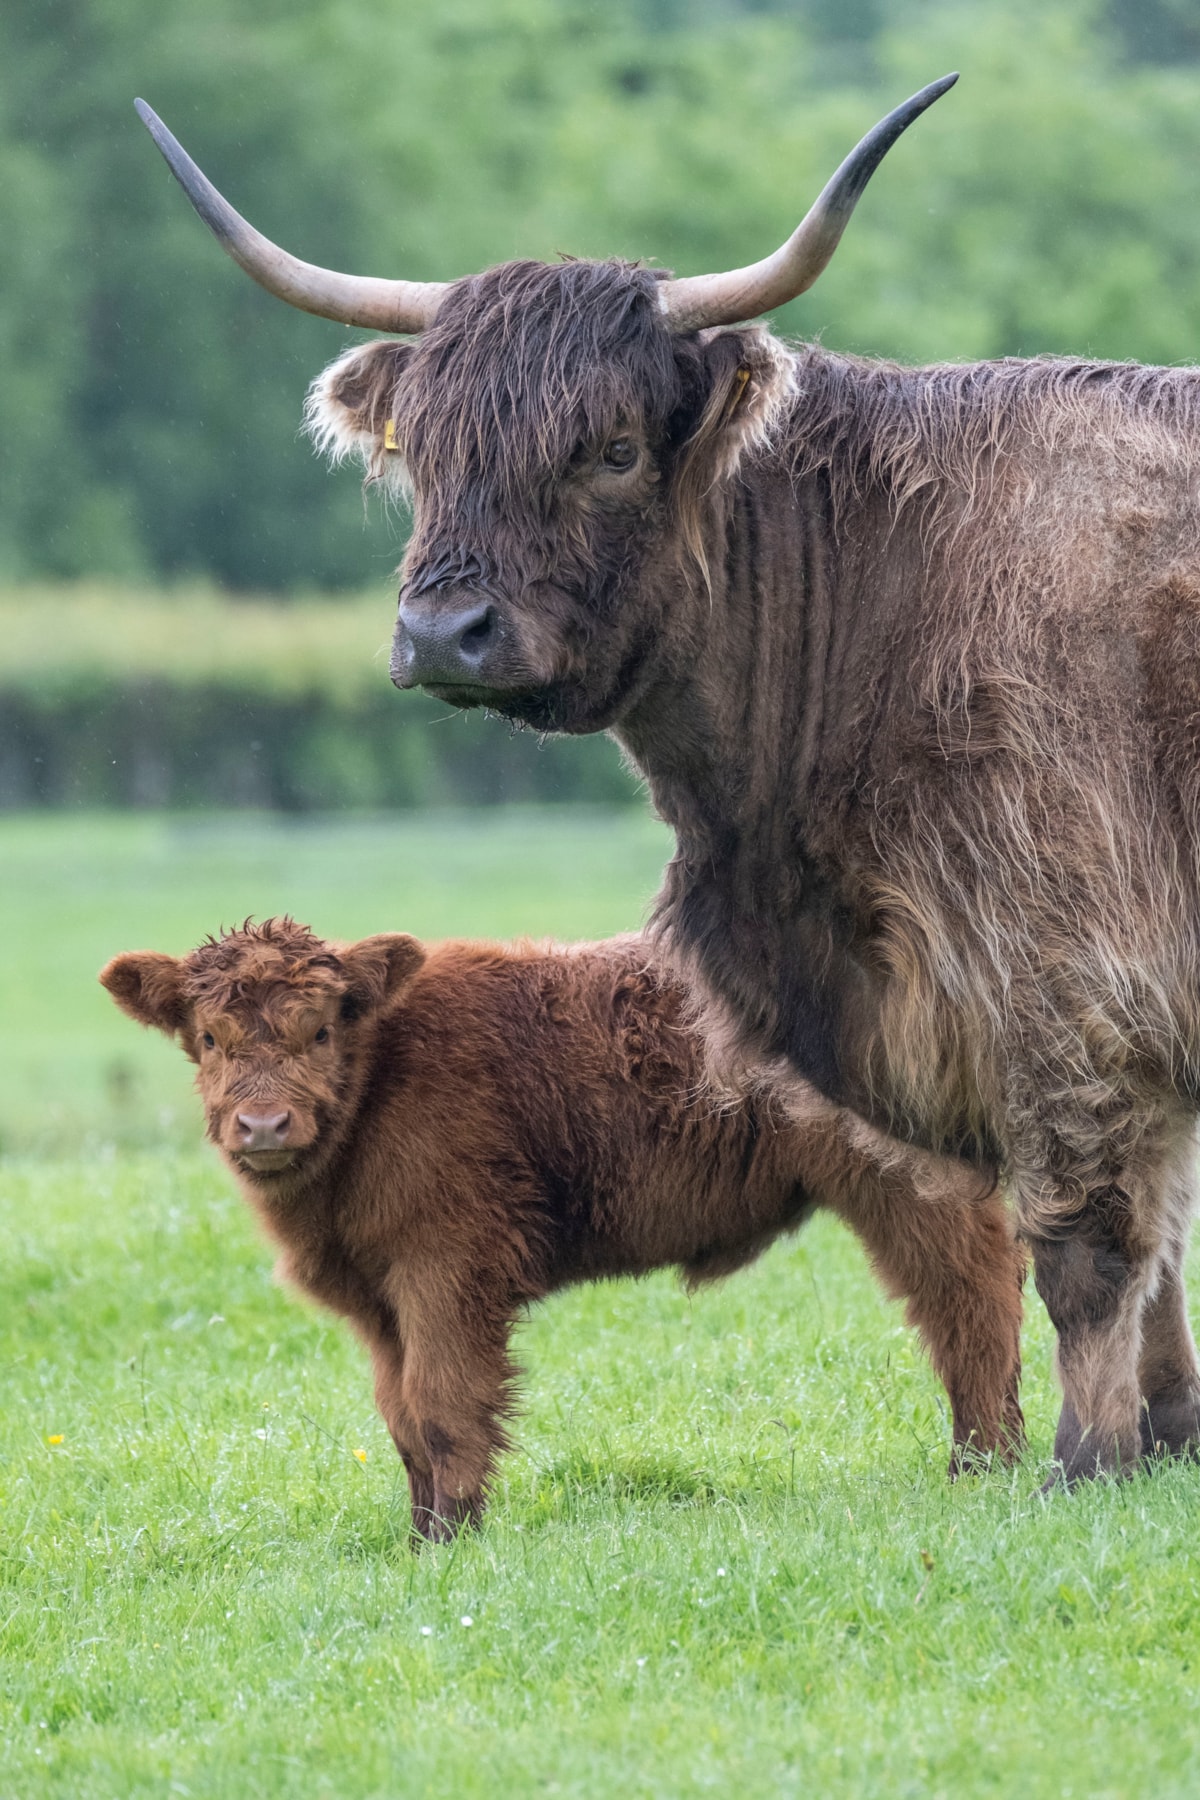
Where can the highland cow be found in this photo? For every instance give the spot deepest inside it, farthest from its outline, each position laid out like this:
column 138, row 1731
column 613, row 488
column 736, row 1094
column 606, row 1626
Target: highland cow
column 910, row 659
column 439, row 1137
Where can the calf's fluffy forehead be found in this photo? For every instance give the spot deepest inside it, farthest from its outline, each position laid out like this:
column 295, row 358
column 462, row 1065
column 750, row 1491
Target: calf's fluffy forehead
column 256, row 965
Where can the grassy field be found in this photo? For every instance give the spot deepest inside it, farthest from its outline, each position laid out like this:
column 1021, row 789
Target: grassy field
column 724, row 1557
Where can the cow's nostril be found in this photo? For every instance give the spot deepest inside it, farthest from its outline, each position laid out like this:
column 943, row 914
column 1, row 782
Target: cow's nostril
column 477, row 630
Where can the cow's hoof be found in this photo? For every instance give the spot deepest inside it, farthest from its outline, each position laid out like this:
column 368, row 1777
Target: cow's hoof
column 1169, row 1426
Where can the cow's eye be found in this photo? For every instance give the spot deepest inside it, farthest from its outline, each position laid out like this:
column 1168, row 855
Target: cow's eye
column 322, row 1036
column 620, row 453
column 209, row 1041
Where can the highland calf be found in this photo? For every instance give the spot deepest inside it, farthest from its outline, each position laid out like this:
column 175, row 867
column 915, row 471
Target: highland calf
column 439, row 1137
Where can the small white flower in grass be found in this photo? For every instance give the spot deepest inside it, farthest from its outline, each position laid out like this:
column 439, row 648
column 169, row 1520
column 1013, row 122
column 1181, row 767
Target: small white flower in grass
column 722, row 1571
column 642, row 1661
column 427, row 1631
column 466, row 1619
column 260, row 1433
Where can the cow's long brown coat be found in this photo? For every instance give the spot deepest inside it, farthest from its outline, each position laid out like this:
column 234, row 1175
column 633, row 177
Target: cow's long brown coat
column 456, row 1133
column 910, row 659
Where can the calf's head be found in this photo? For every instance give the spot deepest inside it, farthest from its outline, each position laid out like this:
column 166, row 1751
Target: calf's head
column 558, row 428
column 274, row 1019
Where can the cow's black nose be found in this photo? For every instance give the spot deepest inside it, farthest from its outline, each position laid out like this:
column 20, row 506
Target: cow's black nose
column 444, row 643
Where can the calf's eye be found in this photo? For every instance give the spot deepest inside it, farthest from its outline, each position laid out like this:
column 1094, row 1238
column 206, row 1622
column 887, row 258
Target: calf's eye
column 209, row 1041
column 620, row 453
column 322, row 1036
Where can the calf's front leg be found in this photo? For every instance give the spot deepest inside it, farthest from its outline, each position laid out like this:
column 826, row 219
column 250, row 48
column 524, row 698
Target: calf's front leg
column 456, row 1387
column 387, row 1360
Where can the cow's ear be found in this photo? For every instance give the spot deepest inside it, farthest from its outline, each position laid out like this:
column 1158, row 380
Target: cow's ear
column 736, row 386
column 377, row 968
column 351, row 409
column 149, row 986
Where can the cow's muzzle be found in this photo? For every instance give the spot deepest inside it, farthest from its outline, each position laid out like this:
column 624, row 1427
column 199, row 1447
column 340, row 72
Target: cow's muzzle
column 445, row 641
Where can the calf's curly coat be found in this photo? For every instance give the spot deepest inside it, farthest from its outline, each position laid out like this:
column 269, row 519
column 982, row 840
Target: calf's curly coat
column 438, row 1137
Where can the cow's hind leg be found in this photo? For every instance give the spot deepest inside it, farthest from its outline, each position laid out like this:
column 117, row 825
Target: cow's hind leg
column 1168, row 1371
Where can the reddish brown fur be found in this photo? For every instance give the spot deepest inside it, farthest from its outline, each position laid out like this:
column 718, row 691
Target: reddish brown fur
column 483, row 1124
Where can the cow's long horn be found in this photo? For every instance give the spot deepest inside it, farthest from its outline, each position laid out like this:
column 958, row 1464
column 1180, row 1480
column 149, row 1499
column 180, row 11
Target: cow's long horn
column 697, row 300
column 404, row 306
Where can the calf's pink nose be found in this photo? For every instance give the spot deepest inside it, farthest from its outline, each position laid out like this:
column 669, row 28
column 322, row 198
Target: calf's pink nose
column 263, row 1131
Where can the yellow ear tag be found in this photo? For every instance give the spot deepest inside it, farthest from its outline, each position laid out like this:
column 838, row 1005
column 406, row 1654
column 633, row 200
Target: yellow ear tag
column 389, row 436
column 743, row 376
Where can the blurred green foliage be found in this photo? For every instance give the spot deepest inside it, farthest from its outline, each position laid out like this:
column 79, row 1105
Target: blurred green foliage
column 152, row 394
column 116, row 697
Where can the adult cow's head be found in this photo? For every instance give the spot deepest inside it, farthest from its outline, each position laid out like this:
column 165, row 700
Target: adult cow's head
column 558, row 427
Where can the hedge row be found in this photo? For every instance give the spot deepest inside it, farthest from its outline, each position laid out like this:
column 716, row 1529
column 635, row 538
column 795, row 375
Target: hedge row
column 192, row 700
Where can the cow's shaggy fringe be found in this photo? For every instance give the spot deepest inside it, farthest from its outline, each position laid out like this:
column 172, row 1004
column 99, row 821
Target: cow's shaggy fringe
column 501, row 433
column 241, row 962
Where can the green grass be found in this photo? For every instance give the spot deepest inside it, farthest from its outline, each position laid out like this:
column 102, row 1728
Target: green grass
column 723, row 1559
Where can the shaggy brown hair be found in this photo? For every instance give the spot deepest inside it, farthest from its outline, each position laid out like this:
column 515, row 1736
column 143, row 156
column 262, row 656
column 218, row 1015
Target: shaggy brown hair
column 910, row 659
column 437, row 1138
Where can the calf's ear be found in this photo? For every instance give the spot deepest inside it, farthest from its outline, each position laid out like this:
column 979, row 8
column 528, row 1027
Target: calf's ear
column 148, row 986
column 378, row 967
column 351, row 408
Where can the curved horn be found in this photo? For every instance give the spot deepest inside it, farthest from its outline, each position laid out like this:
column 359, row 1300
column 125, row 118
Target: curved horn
column 699, row 300
column 404, row 306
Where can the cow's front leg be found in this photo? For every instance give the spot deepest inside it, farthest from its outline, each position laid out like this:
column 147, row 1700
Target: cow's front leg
column 1096, row 1263
column 1094, row 1289
column 457, row 1394
column 1168, row 1371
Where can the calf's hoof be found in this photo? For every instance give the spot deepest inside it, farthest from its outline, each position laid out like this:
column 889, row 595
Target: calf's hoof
column 442, row 1522
column 975, row 1451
